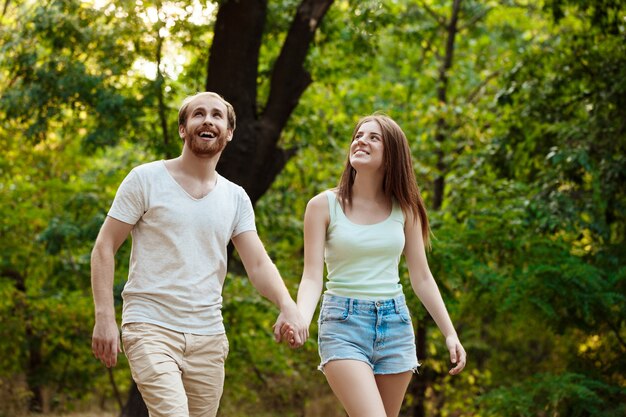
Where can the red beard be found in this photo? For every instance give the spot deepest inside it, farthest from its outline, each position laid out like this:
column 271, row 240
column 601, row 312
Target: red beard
column 206, row 149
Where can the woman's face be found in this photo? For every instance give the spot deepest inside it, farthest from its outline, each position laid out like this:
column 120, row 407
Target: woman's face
column 366, row 150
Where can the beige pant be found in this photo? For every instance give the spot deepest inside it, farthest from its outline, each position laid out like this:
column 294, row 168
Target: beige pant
column 178, row 374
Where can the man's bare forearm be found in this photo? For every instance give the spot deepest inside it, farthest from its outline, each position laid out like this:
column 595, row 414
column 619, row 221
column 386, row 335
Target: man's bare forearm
column 102, row 277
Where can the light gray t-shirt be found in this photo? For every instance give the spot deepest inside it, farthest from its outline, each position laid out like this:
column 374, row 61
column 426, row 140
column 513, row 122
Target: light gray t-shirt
column 178, row 258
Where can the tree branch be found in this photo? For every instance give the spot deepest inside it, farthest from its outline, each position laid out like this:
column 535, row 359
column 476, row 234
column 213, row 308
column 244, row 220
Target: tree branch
column 475, row 18
column 234, row 57
column 441, row 21
column 289, row 77
column 472, row 96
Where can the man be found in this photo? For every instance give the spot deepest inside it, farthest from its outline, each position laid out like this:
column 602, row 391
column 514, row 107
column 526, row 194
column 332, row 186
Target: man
column 181, row 214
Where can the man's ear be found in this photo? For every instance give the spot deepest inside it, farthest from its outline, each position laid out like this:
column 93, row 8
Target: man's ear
column 181, row 131
column 230, row 135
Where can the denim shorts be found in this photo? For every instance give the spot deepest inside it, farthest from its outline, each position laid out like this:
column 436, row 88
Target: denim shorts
column 379, row 333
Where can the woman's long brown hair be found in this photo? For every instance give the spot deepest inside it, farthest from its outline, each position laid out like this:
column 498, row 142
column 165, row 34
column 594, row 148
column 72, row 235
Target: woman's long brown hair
column 399, row 182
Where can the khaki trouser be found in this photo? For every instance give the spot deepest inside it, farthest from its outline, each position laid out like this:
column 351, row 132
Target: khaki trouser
column 178, row 374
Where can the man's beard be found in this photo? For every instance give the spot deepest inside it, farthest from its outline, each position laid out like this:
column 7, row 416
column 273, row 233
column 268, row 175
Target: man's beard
column 206, row 149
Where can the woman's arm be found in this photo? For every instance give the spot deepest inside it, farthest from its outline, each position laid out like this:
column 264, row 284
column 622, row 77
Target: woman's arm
column 427, row 291
column 316, row 219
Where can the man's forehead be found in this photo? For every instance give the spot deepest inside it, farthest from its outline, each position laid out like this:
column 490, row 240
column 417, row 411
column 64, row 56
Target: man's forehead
column 208, row 102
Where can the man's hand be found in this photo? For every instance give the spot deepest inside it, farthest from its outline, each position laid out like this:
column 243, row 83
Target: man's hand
column 105, row 342
column 291, row 327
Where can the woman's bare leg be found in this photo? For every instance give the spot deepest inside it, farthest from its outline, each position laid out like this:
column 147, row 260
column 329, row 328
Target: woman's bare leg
column 392, row 388
column 354, row 385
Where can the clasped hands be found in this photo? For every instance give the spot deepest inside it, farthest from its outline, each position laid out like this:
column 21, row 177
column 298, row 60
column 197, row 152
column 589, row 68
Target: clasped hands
column 291, row 328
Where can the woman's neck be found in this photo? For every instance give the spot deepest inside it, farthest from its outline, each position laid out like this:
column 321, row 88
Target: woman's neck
column 368, row 186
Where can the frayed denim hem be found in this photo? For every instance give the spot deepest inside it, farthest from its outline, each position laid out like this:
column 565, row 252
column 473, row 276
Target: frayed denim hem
column 414, row 370
column 339, row 358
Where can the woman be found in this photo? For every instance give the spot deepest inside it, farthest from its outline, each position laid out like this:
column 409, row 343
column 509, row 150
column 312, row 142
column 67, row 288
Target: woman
column 360, row 229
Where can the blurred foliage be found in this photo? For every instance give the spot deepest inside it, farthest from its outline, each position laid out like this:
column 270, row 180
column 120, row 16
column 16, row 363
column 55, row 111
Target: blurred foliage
column 528, row 247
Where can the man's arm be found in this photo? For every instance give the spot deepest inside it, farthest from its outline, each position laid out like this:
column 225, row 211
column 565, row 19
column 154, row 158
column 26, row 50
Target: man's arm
column 105, row 342
column 267, row 280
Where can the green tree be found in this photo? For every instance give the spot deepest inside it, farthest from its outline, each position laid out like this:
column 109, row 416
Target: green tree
column 517, row 129
column 77, row 69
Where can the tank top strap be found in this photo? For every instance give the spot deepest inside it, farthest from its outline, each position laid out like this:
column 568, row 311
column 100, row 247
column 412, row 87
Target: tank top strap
column 396, row 212
column 332, row 205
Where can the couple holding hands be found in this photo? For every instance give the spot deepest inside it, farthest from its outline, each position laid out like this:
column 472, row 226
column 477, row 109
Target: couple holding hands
column 182, row 214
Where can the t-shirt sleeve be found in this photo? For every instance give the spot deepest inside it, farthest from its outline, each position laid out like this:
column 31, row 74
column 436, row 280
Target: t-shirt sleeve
column 245, row 214
column 128, row 205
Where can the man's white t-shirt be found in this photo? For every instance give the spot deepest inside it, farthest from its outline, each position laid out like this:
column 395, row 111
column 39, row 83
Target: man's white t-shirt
column 179, row 248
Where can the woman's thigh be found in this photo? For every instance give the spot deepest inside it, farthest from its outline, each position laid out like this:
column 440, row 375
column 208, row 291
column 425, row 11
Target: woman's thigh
column 354, row 384
column 392, row 388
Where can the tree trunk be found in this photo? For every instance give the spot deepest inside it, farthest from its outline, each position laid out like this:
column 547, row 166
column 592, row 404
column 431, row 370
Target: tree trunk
column 442, row 89
column 135, row 406
column 253, row 159
column 419, row 384
column 427, row 378
column 37, row 401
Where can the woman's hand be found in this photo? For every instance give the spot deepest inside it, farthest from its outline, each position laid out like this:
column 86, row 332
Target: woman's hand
column 458, row 357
